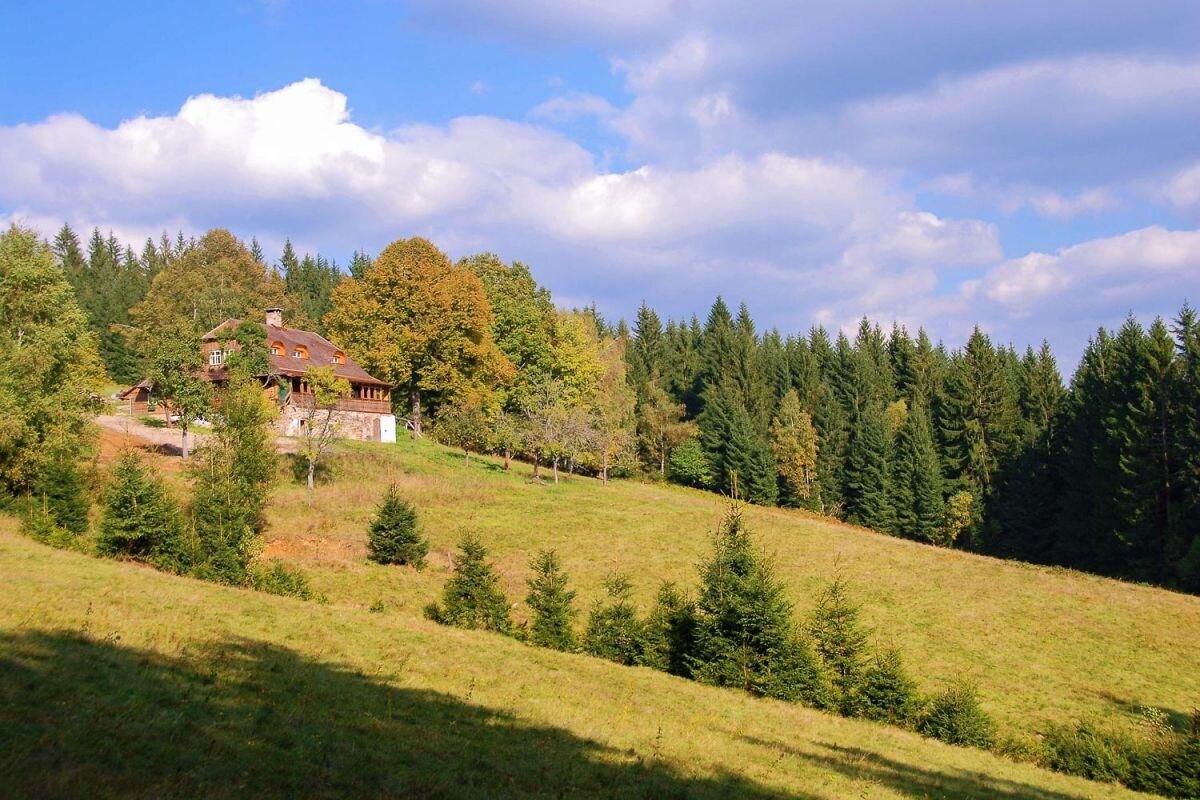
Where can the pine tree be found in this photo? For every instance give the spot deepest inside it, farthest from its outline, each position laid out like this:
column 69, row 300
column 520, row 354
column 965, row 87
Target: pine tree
column 670, row 632
column 140, row 520
column 472, row 598
column 551, row 603
column 867, row 475
column 841, row 642
column 231, row 483
column 394, row 536
column 745, row 636
column 916, row 482
column 61, row 491
column 887, row 693
column 614, row 631
column 738, row 452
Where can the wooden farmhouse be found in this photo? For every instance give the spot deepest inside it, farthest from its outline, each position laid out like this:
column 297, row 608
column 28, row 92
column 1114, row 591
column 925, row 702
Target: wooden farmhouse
column 366, row 414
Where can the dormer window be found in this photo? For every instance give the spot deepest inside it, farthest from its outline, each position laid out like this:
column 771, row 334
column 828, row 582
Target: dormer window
column 216, row 358
column 277, row 349
column 338, row 358
column 300, row 352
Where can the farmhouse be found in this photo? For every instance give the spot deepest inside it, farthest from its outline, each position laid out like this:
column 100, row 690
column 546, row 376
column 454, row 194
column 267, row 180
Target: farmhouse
column 365, row 414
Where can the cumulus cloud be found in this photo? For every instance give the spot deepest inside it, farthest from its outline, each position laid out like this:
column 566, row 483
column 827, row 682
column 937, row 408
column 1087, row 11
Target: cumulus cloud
column 801, row 238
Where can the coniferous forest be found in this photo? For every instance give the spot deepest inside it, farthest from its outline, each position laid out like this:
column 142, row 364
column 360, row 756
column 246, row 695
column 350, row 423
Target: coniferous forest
column 973, row 444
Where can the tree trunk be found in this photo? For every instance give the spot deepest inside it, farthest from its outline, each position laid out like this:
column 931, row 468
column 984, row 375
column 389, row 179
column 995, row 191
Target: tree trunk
column 415, row 398
column 507, row 458
column 466, row 456
column 183, row 448
column 537, row 463
column 604, row 469
column 312, row 469
column 556, row 470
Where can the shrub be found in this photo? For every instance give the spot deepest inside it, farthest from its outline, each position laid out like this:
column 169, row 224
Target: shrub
column 690, row 465
column 745, row 636
column 277, row 578
column 140, row 520
column 954, row 716
column 551, row 602
column 40, row 525
column 887, row 693
column 841, row 642
column 472, row 598
column 1089, row 752
column 670, row 632
column 394, row 537
column 613, row 631
column 1164, row 762
column 62, row 491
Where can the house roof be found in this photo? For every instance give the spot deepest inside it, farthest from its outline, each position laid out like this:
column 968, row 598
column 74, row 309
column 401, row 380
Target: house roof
column 320, row 352
column 144, row 383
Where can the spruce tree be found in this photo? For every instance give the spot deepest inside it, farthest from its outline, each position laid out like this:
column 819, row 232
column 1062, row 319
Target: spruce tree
column 61, row 490
column 745, row 636
column 670, row 632
column 140, row 520
column 867, row 475
column 614, row 631
column 887, row 693
column 551, row 602
column 916, row 481
column 841, row 642
column 472, row 598
column 394, row 536
column 736, row 449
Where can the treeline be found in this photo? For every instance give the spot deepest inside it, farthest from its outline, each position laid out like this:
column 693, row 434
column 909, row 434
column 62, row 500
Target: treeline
column 980, row 447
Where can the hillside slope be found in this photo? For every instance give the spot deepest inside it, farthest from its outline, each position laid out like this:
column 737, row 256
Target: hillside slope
column 116, row 680
column 1044, row 644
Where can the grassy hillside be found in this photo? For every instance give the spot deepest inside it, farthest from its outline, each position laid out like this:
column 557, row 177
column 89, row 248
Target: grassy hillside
column 116, row 680
column 1044, row 644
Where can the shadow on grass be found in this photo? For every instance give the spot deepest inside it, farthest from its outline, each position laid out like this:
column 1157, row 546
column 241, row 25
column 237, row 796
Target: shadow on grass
column 1179, row 721
column 914, row 780
column 81, row 717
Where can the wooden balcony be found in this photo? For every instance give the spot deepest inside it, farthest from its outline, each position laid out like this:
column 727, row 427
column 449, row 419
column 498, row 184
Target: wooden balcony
column 347, row 404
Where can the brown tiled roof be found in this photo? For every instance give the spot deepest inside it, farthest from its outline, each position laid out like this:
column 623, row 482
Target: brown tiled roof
column 320, row 352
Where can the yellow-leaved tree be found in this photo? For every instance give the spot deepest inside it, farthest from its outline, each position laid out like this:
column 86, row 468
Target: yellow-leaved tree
column 419, row 323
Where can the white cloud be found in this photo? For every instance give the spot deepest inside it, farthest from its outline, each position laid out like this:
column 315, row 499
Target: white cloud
column 797, row 237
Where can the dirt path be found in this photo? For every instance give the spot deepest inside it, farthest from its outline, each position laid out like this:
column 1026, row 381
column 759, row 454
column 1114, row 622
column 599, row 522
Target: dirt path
column 169, row 440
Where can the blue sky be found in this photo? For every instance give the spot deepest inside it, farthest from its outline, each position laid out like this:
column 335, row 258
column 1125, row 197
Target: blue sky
column 1033, row 167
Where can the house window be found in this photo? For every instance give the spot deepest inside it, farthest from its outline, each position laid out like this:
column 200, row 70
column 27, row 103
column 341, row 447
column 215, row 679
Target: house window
column 300, row 352
column 216, row 358
column 338, row 358
column 277, row 349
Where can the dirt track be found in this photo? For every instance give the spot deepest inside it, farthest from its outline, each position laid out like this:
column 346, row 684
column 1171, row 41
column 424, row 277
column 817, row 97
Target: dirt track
column 169, row 439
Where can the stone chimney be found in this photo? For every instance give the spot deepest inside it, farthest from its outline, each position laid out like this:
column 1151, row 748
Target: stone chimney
column 275, row 317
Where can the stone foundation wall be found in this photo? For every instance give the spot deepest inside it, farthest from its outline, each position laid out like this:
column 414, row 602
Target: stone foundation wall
column 360, row 425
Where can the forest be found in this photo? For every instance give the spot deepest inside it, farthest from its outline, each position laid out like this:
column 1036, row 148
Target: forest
column 973, row 445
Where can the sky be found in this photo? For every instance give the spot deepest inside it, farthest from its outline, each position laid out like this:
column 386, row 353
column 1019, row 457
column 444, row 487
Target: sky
column 1030, row 167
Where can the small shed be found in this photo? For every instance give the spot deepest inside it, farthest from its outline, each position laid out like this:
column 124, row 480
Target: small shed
column 138, row 396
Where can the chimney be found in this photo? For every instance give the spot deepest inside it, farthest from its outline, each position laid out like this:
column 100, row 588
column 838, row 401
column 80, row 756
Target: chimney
column 275, row 317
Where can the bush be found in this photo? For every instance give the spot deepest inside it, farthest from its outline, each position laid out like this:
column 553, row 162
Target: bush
column 394, row 537
column 40, row 525
column 551, row 602
column 277, row 578
column 670, row 632
column 472, row 598
column 841, row 642
column 63, row 493
column 690, row 465
column 954, row 716
column 1164, row 762
column 140, row 520
column 886, row 692
column 1089, row 752
column 745, row 635
column 613, row 631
